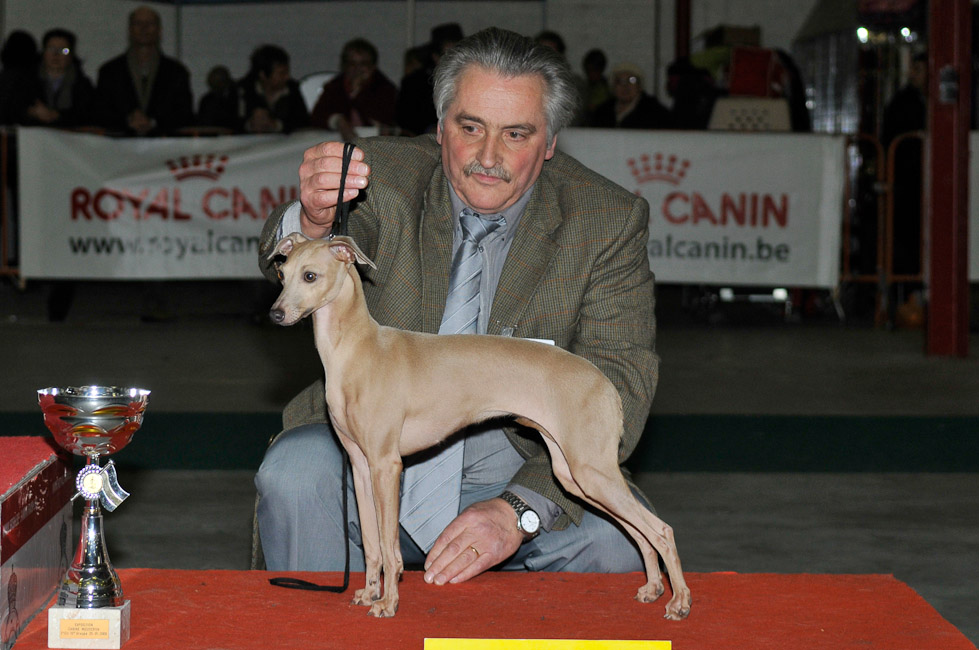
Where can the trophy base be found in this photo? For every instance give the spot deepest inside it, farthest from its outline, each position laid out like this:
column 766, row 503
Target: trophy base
column 102, row 627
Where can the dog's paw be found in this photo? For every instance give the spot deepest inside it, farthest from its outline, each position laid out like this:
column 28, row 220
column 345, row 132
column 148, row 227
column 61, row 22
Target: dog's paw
column 384, row 608
column 366, row 596
column 650, row 592
column 679, row 607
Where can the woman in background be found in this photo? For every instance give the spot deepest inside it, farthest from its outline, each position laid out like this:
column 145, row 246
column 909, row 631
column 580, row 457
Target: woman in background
column 61, row 94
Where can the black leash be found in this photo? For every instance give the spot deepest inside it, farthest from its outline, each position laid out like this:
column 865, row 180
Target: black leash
column 343, row 208
column 339, row 228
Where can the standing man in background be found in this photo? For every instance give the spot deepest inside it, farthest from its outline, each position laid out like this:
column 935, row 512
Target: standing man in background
column 143, row 92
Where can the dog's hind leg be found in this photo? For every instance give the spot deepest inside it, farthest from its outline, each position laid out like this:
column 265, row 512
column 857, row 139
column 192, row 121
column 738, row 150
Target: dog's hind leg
column 608, row 491
column 597, row 479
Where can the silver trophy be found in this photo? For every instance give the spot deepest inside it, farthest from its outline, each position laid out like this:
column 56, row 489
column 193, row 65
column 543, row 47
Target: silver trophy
column 93, row 421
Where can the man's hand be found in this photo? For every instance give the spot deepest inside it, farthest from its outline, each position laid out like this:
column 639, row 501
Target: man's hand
column 262, row 121
column 319, row 185
column 140, row 122
column 40, row 112
column 489, row 527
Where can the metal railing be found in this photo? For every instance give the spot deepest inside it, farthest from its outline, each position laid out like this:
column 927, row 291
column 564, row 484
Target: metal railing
column 879, row 167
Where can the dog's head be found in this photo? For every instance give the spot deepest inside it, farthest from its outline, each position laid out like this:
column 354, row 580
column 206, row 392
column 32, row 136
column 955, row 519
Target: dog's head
column 312, row 272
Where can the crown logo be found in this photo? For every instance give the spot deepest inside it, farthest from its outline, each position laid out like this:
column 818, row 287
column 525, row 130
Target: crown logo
column 198, row 166
column 669, row 169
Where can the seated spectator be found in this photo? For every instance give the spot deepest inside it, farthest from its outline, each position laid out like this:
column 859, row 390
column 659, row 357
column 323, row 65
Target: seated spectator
column 219, row 105
column 143, row 92
column 553, row 40
column 631, row 107
column 360, row 96
column 693, row 92
column 271, row 99
column 19, row 57
column 597, row 91
column 415, row 58
column 62, row 96
column 416, row 108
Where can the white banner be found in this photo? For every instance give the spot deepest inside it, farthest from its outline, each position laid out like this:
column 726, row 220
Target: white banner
column 729, row 208
column 93, row 207
column 758, row 209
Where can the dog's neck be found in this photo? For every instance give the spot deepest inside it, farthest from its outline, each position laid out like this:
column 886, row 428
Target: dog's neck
column 342, row 321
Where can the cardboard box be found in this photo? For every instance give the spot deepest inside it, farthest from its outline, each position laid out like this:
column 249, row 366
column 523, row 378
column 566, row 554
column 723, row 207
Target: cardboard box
column 36, row 485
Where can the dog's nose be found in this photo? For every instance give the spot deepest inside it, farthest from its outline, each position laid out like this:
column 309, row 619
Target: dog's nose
column 277, row 315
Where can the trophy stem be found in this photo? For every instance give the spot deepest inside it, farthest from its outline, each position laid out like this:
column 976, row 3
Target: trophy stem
column 91, row 581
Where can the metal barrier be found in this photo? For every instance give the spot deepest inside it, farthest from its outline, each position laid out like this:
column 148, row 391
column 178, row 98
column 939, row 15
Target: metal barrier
column 880, row 168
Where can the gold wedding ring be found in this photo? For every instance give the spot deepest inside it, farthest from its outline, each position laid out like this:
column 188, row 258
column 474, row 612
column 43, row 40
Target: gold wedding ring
column 475, row 551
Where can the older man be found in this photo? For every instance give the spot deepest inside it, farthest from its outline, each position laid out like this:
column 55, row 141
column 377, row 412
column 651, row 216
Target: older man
column 564, row 260
column 142, row 91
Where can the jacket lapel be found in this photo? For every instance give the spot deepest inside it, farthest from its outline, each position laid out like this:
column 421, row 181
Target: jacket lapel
column 529, row 256
column 435, row 250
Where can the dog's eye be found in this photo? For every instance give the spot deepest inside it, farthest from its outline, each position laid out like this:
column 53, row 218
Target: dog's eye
column 309, row 276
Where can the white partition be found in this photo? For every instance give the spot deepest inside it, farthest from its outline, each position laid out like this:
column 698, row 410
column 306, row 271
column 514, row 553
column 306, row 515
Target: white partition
column 729, row 208
column 725, row 208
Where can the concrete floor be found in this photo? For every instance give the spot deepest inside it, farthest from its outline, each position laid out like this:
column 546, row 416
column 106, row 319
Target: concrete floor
column 210, row 355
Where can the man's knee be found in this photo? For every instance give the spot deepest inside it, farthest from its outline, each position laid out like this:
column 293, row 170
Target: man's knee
column 297, row 461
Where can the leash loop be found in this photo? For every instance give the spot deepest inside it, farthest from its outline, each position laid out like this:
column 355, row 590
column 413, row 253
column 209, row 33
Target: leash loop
column 343, row 207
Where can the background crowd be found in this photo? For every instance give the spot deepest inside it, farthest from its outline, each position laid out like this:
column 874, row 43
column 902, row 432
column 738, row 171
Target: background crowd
column 144, row 92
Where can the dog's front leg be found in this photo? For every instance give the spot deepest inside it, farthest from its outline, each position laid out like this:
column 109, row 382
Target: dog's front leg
column 368, row 524
column 385, row 479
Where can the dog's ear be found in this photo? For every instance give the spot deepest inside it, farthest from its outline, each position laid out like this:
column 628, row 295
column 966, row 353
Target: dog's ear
column 347, row 251
column 286, row 244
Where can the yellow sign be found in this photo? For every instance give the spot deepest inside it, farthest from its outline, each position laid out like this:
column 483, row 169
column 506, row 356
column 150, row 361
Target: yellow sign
column 85, row 628
column 543, row 644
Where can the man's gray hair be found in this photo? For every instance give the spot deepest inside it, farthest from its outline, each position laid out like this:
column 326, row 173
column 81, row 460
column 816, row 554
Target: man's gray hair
column 510, row 55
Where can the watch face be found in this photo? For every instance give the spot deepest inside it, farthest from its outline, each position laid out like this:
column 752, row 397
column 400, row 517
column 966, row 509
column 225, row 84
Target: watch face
column 529, row 521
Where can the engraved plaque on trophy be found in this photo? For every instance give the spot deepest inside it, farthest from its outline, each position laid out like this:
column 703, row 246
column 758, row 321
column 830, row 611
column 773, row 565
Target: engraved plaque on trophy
column 92, row 421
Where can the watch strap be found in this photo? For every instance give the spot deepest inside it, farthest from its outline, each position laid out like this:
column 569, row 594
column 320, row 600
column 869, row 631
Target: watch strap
column 519, row 506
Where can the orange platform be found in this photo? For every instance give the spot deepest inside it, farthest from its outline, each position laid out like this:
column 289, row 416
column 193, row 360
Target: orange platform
column 238, row 609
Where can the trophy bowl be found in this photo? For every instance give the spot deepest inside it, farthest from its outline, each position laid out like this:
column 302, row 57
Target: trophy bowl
column 93, row 421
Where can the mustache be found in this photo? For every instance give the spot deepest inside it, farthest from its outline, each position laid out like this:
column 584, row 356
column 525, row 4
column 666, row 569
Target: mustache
column 475, row 167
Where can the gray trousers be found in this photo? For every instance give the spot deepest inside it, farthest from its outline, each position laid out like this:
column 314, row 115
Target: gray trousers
column 300, row 518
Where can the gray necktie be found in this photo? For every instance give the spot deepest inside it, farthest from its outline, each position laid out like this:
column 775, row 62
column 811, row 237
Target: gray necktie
column 430, row 496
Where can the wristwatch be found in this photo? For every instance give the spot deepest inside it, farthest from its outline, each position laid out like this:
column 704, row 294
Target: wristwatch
column 528, row 521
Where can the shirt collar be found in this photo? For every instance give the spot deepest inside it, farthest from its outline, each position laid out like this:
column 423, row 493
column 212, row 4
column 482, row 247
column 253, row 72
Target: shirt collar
column 511, row 214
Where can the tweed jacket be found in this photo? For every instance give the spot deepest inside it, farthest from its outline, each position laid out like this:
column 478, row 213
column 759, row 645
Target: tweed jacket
column 577, row 273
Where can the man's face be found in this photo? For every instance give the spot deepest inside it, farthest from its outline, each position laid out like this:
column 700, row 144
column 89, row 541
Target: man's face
column 57, row 54
column 494, row 138
column 276, row 80
column 358, row 66
column 626, row 87
column 144, row 28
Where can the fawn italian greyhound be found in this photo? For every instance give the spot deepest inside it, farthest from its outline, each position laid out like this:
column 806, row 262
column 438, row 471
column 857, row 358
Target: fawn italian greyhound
column 392, row 393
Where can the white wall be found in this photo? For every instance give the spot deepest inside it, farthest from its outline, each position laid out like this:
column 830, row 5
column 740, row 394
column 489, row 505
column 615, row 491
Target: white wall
column 639, row 31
